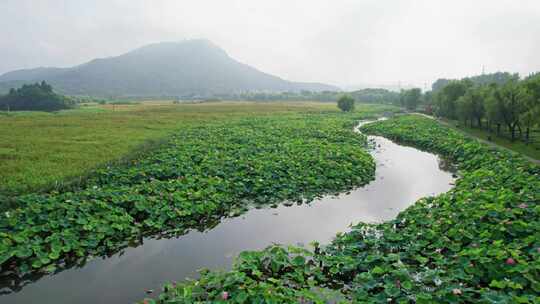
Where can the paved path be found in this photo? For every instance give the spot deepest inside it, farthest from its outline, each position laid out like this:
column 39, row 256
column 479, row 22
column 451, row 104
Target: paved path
column 490, row 143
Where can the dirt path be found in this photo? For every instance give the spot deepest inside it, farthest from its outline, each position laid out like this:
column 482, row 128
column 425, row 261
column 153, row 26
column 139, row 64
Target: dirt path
column 536, row 161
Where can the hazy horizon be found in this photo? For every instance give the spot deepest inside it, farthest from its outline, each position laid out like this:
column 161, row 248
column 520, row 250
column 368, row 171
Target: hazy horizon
column 345, row 43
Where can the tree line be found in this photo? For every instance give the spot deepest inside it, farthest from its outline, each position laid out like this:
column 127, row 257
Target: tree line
column 493, row 102
column 34, row 97
column 498, row 78
column 496, row 102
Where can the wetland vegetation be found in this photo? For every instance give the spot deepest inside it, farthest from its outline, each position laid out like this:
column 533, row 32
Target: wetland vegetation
column 200, row 174
column 80, row 140
column 476, row 243
column 219, row 160
column 307, row 152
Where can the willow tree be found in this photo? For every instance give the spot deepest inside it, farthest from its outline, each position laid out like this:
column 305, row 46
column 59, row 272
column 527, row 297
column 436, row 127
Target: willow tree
column 447, row 98
column 511, row 101
column 531, row 115
column 471, row 106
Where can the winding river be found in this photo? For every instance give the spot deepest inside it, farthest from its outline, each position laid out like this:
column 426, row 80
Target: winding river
column 403, row 175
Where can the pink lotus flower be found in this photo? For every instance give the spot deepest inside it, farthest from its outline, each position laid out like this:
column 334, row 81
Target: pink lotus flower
column 224, row 295
column 523, row 206
column 510, row 261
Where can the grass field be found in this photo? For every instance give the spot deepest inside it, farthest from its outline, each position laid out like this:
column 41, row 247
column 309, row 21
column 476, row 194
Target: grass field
column 43, row 151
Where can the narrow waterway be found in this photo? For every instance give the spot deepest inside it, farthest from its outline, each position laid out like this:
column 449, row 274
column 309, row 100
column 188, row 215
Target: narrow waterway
column 403, row 175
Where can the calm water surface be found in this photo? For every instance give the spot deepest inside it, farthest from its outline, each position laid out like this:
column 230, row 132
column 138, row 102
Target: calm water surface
column 403, row 175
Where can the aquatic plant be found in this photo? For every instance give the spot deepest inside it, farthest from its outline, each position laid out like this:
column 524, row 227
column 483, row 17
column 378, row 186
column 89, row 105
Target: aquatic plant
column 477, row 243
column 204, row 172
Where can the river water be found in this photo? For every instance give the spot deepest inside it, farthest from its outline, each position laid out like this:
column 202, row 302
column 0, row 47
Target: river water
column 403, row 175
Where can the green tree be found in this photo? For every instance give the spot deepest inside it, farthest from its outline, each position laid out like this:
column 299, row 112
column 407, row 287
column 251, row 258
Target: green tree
column 34, row 97
column 346, row 103
column 45, row 87
column 427, row 98
column 464, row 108
column 502, row 98
column 410, row 98
column 439, row 84
column 511, row 102
column 499, row 78
column 531, row 115
column 380, row 96
column 447, row 97
column 471, row 106
column 493, row 110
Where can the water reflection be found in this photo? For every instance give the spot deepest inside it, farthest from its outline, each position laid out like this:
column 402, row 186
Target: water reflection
column 403, row 175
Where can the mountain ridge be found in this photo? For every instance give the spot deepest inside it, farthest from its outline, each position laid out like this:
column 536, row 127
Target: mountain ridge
column 190, row 67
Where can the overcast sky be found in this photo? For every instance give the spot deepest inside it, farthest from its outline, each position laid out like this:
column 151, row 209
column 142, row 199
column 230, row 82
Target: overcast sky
column 341, row 42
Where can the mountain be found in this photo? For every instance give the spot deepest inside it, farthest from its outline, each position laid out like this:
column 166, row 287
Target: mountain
column 187, row 68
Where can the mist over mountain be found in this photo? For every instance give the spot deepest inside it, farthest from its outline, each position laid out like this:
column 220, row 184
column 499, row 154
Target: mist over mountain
column 187, row 68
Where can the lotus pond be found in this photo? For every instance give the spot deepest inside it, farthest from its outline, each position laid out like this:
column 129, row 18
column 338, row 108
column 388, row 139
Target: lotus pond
column 124, row 277
column 206, row 176
column 477, row 243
